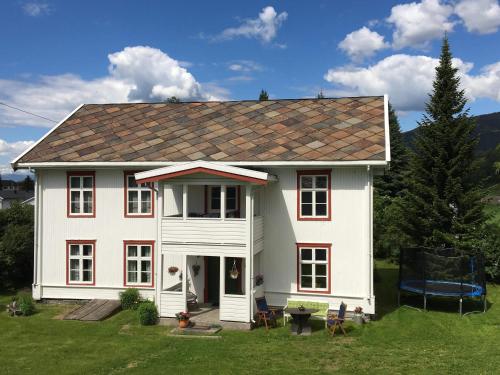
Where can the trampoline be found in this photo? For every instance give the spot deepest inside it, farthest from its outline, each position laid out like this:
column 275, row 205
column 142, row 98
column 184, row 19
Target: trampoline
column 442, row 273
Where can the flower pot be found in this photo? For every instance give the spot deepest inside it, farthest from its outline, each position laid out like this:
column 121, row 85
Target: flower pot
column 358, row 319
column 183, row 323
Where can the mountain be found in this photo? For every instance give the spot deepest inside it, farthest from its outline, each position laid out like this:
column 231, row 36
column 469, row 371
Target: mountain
column 488, row 128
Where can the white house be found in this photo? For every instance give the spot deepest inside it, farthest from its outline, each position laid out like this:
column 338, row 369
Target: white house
column 177, row 199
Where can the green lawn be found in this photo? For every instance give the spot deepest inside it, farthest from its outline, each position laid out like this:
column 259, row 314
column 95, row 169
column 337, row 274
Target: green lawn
column 402, row 340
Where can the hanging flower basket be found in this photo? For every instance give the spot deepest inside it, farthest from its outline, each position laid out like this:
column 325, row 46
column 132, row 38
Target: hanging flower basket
column 196, row 269
column 234, row 273
column 173, row 270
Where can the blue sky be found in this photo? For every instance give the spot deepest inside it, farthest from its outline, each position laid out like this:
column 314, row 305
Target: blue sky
column 58, row 54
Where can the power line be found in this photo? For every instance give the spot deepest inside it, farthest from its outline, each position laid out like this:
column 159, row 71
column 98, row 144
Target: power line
column 29, row 113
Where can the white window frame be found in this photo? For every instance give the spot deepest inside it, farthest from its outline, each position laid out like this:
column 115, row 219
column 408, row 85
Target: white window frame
column 140, row 189
column 314, row 190
column 81, row 191
column 80, row 259
column 209, row 197
column 139, row 259
column 313, row 262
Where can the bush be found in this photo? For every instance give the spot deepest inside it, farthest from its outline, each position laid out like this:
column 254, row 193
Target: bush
column 25, row 303
column 130, row 298
column 148, row 314
column 16, row 246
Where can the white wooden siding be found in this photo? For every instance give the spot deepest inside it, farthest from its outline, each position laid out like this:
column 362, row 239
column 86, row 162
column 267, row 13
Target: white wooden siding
column 171, row 303
column 210, row 231
column 234, row 308
column 109, row 228
column 258, row 234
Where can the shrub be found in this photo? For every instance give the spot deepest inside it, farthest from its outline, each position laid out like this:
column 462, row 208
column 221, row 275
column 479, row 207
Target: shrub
column 130, row 298
column 25, row 303
column 148, row 314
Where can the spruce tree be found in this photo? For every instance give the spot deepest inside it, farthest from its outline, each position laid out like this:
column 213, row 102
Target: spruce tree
column 389, row 187
column 263, row 95
column 443, row 206
column 392, row 183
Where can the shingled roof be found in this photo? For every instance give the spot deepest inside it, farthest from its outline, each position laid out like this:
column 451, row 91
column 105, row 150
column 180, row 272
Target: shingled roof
column 343, row 129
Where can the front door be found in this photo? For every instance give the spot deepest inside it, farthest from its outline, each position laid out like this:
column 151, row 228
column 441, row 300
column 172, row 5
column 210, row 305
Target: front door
column 212, row 280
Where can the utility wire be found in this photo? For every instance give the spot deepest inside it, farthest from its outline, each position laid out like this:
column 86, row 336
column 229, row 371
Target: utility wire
column 29, row 113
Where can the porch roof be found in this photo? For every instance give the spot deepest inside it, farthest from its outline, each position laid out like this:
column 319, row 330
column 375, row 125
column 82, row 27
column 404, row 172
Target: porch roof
column 211, row 168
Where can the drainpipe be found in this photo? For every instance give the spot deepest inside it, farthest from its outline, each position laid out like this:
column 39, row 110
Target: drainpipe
column 370, row 234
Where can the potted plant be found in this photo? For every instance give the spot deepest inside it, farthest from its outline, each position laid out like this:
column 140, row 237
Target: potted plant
column 172, row 270
column 359, row 316
column 259, row 279
column 183, row 318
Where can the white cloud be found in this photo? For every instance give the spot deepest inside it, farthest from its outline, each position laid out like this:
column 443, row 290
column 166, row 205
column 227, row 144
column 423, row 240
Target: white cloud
column 479, row 16
column 35, row 9
column 408, row 80
column 244, row 66
column 362, row 43
column 135, row 74
column 9, row 151
column 416, row 24
column 264, row 27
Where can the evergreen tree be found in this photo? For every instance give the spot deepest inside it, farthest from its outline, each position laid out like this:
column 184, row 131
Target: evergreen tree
column 392, row 183
column 173, row 99
column 320, row 95
column 388, row 237
column 28, row 184
column 443, row 206
column 263, row 95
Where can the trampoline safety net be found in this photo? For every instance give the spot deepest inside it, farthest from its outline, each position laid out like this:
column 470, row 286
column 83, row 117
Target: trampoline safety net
column 441, row 272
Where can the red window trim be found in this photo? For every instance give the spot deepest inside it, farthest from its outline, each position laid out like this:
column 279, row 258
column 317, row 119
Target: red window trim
column 69, row 174
column 80, row 242
column 329, row 258
column 125, row 198
column 327, row 172
column 139, row 242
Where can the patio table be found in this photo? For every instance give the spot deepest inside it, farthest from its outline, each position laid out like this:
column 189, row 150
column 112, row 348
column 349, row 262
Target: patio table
column 300, row 318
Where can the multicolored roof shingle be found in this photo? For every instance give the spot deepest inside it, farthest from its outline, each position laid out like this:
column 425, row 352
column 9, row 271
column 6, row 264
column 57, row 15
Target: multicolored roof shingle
column 344, row 129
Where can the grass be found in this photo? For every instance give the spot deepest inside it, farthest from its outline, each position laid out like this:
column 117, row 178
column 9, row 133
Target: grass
column 402, row 340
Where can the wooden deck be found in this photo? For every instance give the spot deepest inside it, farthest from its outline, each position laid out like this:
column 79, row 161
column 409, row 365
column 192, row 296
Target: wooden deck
column 95, row 310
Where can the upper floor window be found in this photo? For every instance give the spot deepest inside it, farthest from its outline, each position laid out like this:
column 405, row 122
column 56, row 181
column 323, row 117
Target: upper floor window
column 313, row 266
column 81, row 194
column 138, row 198
column 80, row 267
column 139, row 263
column 313, row 195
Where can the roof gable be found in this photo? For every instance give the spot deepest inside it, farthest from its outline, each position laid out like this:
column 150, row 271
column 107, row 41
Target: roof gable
column 345, row 129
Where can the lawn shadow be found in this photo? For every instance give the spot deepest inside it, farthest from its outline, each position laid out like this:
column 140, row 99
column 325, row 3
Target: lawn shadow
column 386, row 289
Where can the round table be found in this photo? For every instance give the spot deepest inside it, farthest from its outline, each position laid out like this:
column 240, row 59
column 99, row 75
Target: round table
column 300, row 316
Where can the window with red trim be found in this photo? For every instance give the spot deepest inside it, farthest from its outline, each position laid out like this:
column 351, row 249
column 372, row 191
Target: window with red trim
column 313, row 268
column 313, row 195
column 81, row 194
column 80, row 262
column 139, row 263
column 138, row 198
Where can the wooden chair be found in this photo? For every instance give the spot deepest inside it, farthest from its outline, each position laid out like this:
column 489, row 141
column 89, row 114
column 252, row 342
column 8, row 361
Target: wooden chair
column 333, row 320
column 264, row 313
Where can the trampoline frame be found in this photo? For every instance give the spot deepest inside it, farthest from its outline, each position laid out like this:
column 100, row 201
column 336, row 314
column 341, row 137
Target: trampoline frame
column 425, row 293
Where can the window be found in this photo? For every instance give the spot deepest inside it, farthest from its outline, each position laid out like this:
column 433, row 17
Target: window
column 215, row 198
column 313, row 195
column 139, row 263
column 80, row 265
column 81, row 194
column 313, row 268
column 138, row 198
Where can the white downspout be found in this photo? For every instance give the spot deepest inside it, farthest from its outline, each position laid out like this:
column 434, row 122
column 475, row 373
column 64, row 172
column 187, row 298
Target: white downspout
column 370, row 235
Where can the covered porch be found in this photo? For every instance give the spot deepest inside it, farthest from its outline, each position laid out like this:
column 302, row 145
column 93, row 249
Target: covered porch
column 211, row 233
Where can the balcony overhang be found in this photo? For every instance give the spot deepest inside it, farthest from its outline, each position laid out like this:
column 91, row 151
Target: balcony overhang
column 210, row 168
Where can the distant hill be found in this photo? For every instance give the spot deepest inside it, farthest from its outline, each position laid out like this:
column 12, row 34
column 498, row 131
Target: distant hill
column 488, row 128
